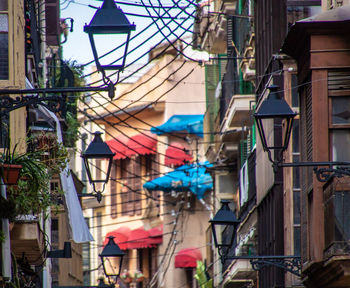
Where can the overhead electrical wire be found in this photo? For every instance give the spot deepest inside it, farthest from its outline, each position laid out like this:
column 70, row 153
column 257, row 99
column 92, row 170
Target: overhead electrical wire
column 135, row 48
column 141, row 56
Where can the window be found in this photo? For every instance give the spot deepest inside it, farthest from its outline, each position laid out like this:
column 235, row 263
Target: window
column 4, row 48
column 113, row 189
column 337, row 221
column 340, row 127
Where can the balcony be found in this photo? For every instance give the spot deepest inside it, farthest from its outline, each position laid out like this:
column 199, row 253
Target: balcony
column 27, row 242
column 239, row 111
column 211, row 29
column 334, row 270
column 240, row 274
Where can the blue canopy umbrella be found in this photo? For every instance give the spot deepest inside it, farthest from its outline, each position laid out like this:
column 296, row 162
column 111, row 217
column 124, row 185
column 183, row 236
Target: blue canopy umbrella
column 184, row 178
column 193, row 124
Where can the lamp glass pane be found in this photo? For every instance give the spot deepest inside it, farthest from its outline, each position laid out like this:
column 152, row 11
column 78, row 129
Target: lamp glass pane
column 224, row 235
column 112, row 46
column 267, row 125
column 112, row 265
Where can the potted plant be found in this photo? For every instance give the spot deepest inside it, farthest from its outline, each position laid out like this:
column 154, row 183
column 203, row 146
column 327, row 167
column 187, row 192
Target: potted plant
column 126, row 276
column 139, row 277
column 10, row 167
column 32, row 193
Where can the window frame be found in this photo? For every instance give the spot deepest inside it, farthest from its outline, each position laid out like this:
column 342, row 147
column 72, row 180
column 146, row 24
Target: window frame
column 10, row 11
column 333, row 127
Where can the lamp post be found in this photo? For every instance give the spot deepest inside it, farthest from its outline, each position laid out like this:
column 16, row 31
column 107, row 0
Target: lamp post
column 275, row 108
column 224, row 222
column 107, row 20
column 97, row 150
column 112, row 258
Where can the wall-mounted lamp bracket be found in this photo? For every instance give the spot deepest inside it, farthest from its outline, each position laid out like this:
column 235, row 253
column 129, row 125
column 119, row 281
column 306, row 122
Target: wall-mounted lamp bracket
column 290, row 264
column 335, row 169
column 98, row 195
column 54, row 103
column 66, row 252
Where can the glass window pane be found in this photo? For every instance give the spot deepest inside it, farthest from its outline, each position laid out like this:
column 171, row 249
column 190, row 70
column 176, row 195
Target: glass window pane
column 296, row 207
column 340, row 110
column 340, row 145
column 342, row 216
column 4, row 62
column 295, row 95
column 3, row 5
column 4, row 23
column 296, row 240
column 296, row 172
column 295, row 136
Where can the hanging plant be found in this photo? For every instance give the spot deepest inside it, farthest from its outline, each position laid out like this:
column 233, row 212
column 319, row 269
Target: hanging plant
column 32, row 193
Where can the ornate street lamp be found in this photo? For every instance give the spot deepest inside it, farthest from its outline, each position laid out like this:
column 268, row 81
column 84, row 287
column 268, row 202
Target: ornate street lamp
column 98, row 150
column 109, row 19
column 224, row 222
column 112, row 258
column 274, row 108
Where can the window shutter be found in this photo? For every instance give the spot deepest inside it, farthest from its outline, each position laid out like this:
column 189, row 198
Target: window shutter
column 124, row 187
column 243, row 151
column 131, row 194
column 52, row 22
column 137, row 187
column 155, row 172
column 113, row 191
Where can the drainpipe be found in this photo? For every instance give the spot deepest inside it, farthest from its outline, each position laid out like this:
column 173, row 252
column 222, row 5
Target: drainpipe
column 5, row 247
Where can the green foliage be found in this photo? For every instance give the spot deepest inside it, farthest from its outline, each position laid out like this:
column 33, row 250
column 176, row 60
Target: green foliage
column 72, row 132
column 2, row 237
column 32, row 192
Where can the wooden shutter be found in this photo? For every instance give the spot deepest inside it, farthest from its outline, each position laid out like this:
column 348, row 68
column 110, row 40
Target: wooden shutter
column 52, row 22
column 113, row 191
column 131, row 194
column 155, row 172
column 137, row 186
column 124, row 189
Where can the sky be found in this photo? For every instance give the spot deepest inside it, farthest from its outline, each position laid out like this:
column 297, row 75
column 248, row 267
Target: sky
column 78, row 46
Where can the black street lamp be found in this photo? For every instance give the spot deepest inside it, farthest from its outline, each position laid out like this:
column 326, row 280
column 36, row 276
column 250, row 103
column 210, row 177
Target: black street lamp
column 224, row 225
column 274, row 108
column 112, row 258
column 109, row 19
column 98, row 150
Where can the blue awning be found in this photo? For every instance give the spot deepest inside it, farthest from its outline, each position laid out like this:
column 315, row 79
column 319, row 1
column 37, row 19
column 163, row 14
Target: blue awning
column 193, row 124
column 184, row 178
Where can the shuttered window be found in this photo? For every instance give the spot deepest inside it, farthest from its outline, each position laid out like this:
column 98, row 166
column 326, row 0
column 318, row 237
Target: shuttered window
column 52, row 22
column 155, row 172
column 113, row 192
column 137, row 187
column 339, row 118
column 124, row 165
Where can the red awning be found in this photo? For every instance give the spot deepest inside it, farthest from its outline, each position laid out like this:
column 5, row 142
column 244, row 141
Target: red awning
column 119, row 146
column 138, row 239
column 155, row 236
column 176, row 155
column 121, row 237
column 142, row 144
column 187, row 258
